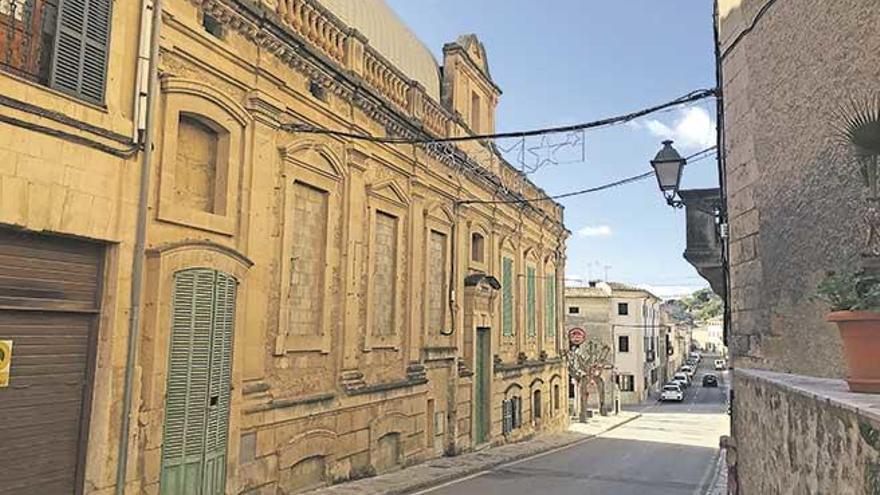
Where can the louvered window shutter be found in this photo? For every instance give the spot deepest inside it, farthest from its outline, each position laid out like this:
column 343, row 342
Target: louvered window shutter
column 79, row 66
column 218, row 400
column 531, row 297
column 507, row 297
column 506, row 419
column 188, row 377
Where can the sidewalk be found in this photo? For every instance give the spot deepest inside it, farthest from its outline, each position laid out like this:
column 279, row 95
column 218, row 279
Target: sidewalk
column 719, row 483
column 445, row 469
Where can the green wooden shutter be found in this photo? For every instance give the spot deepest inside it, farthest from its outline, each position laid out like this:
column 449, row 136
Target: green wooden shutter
column 79, row 65
column 220, row 380
column 197, row 395
column 530, row 302
column 507, row 297
column 188, row 376
column 550, row 306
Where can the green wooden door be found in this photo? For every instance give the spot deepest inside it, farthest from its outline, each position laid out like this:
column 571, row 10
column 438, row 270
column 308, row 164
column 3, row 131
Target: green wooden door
column 481, row 394
column 197, row 395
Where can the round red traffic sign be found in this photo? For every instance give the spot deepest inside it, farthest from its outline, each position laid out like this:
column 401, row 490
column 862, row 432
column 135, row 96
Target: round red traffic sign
column 577, row 336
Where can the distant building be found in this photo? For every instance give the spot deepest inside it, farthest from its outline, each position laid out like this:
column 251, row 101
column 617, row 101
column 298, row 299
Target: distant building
column 708, row 336
column 628, row 317
column 588, row 309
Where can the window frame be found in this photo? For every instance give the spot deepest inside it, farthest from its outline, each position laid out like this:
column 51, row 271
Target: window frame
column 623, row 309
column 508, row 290
column 297, row 167
column 437, row 220
column 388, row 198
column 230, row 121
column 620, row 347
column 577, row 310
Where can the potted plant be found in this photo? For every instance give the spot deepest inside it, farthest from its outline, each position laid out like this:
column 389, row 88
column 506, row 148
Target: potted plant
column 855, row 307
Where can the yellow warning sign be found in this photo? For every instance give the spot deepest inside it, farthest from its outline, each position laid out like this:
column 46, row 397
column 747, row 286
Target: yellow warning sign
column 5, row 362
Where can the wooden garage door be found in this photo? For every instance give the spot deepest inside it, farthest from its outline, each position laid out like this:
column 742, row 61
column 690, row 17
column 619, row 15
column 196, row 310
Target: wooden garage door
column 49, row 295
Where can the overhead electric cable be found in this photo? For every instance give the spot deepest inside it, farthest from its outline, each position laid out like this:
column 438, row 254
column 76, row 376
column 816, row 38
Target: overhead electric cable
column 700, row 155
column 688, row 98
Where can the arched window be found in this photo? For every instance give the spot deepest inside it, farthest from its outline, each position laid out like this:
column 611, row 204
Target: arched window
column 478, row 248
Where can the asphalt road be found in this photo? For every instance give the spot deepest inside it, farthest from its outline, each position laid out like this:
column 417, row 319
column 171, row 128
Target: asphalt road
column 671, row 450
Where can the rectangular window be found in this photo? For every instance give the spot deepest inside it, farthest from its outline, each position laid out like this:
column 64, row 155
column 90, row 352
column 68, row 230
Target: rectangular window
column 623, row 343
column 65, row 49
column 556, row 397
column 574, row 310
column 384, row 274
column 531, row 329
column 507, row 297
column 536, row 405
column 305, row 305
column 622, row 309
column 626, row 383
column 436, row 282
column 550, row 305
column 475, row 112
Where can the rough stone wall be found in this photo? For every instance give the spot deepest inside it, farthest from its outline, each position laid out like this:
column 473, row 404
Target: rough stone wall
column 793, row 193
column 791, row 442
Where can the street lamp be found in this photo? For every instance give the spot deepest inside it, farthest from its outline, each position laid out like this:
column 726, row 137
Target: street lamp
column 668, row 165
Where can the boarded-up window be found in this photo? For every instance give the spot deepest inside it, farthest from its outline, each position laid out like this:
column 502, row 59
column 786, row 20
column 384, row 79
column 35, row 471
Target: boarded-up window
column 195, row 169
column 532, row 324
column 307, row 260
column 384, row 274
column 477, row 247
column 550, row 304
column 436, row 281
column 507, row 297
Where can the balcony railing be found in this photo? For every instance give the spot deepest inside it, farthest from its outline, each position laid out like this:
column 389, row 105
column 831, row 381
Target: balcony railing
column 27, row 35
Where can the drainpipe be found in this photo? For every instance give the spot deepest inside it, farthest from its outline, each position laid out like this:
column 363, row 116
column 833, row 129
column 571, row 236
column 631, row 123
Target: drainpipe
column 137, row 264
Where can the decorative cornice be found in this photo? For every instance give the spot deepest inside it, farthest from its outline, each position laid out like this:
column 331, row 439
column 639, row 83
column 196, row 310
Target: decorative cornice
column 267, row 30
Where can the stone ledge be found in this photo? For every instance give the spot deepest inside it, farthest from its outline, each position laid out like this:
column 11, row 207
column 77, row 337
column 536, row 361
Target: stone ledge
column 827, row 390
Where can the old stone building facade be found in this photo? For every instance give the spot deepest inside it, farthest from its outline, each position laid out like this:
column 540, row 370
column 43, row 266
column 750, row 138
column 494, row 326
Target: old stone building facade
column 795, row 200
column 315, row 307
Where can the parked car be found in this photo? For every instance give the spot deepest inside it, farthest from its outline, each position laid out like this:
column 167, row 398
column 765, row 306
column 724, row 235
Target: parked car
column 682, row 384
column 690, row 370
column 683, row 377
column 710, row 381
column 695, row 356
column 720, row 365
column 671, row 391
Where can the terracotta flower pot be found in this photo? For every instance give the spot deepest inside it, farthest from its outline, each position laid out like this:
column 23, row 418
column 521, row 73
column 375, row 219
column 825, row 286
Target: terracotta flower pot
column 860, row 331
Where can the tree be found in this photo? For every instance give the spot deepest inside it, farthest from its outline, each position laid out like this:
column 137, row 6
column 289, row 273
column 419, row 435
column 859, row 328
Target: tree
column 586, row 364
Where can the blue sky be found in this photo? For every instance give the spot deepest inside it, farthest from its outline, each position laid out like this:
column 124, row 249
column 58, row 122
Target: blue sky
column 567, row 61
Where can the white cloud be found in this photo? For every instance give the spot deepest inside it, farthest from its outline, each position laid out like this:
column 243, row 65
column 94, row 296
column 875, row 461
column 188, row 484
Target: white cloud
column 693, row 129
column 595, row 231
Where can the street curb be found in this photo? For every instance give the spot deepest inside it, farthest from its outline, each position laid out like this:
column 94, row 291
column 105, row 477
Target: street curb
column 493, row 464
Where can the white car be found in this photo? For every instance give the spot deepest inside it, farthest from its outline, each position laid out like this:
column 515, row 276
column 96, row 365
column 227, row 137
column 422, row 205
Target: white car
column 720, row 364
column 682, row 383
column 682, row 377
column 696, row 356
column 690, row 370
column 671, row 392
